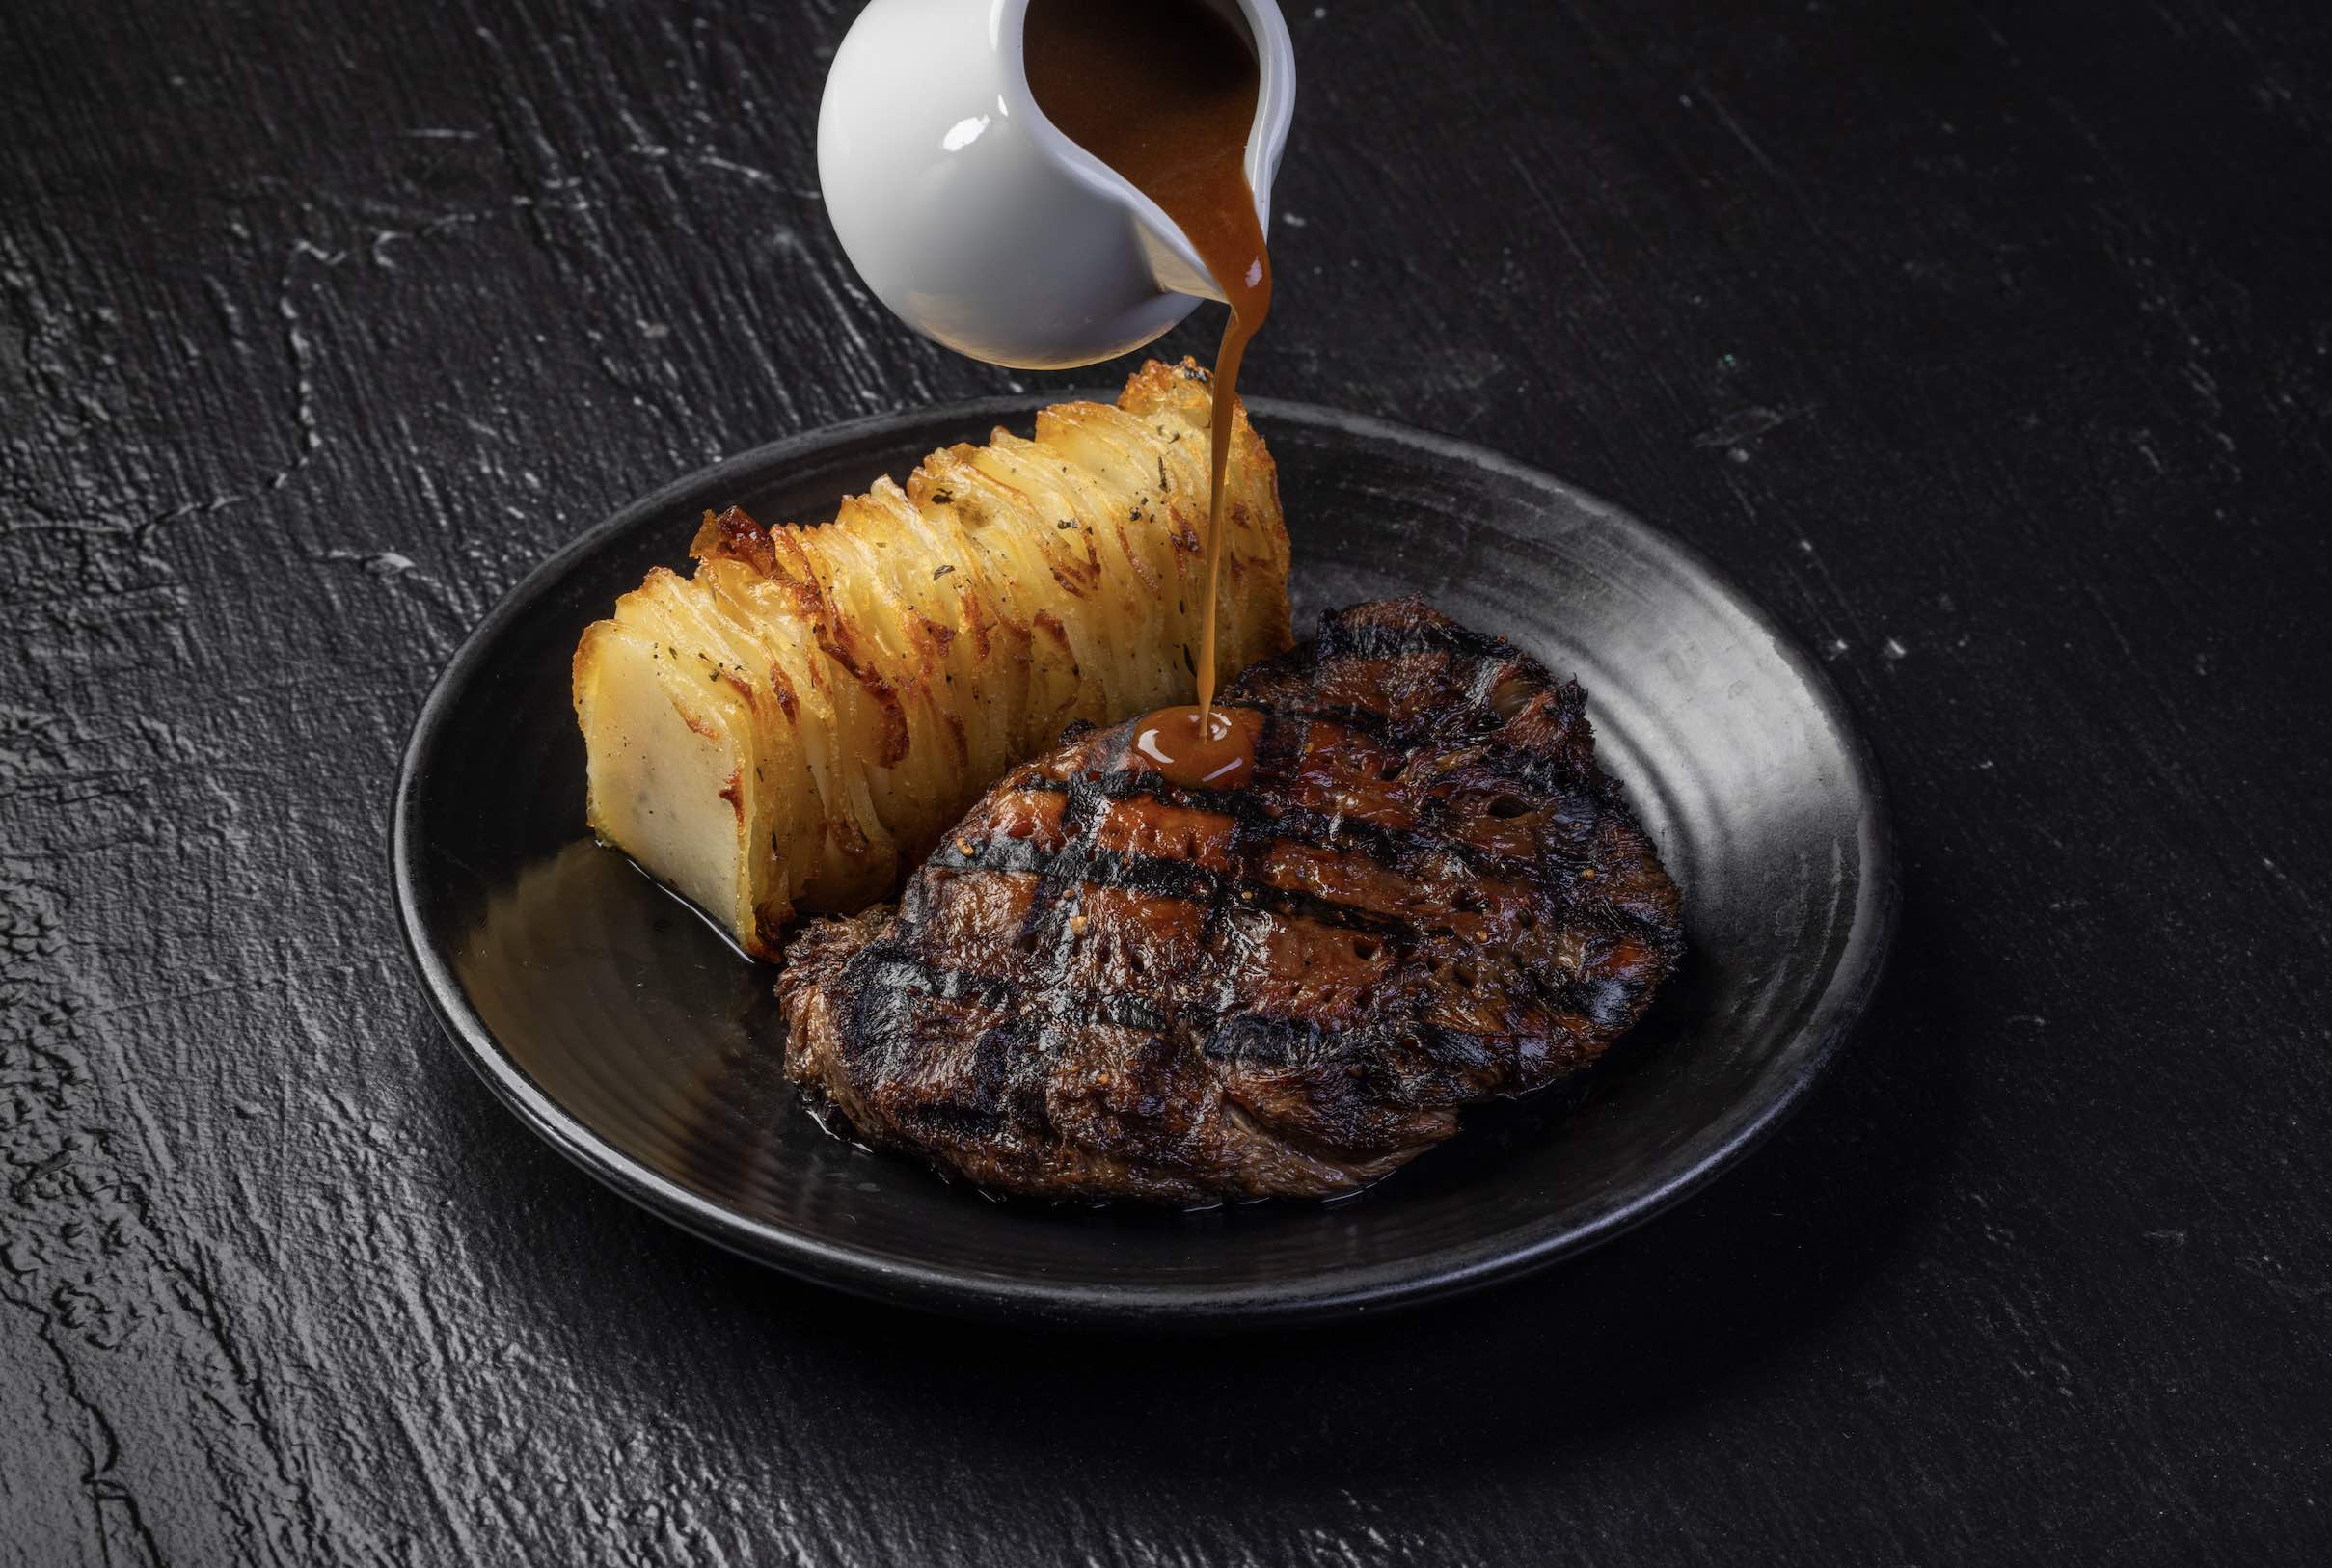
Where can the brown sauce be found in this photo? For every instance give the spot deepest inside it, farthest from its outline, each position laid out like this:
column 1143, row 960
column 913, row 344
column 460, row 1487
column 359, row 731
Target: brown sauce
column 1164, row 92
column 1209, row 749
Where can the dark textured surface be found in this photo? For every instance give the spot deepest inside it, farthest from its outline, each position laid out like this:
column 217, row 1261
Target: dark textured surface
column 1989, row 342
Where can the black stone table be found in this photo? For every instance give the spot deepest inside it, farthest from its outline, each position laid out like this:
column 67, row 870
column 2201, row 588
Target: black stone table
column 1989, row 341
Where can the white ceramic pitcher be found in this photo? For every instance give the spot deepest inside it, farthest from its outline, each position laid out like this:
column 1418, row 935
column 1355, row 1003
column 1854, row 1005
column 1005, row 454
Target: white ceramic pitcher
column 984, row 226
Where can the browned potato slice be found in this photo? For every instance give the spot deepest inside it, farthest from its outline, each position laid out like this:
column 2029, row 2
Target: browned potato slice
column 793, row 727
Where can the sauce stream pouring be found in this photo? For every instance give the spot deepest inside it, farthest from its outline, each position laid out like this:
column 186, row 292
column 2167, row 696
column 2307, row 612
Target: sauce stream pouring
column 1164, row 92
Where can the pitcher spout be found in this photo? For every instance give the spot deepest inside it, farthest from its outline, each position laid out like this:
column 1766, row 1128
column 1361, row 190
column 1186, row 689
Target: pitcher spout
column 1173, row 262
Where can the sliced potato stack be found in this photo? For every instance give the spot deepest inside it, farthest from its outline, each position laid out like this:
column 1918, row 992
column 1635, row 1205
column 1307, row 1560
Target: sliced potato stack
column 792, row 727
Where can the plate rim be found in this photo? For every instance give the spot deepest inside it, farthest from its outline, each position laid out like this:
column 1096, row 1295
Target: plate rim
column 1458, row 1270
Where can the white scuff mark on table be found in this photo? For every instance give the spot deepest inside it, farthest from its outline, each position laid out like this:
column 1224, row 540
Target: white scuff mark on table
column 1744, row 426
column 379, row 562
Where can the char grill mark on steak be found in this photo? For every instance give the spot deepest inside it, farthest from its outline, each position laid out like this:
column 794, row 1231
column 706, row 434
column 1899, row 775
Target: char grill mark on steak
column 1102, row 984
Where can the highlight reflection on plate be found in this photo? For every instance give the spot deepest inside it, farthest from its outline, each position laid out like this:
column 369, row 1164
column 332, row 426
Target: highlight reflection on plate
column 627, row 1032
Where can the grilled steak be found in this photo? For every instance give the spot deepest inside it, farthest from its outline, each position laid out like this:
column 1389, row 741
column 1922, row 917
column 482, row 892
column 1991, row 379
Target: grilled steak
column 1104, row 985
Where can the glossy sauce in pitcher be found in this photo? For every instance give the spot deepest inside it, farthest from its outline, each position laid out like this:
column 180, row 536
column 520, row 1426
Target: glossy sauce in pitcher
column 1164, row 92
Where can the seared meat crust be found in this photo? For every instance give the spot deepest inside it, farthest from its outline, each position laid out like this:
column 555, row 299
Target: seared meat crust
column 1103, row 985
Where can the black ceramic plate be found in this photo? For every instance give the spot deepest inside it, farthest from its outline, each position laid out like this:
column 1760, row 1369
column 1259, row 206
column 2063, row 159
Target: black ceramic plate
column 621, row 1028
